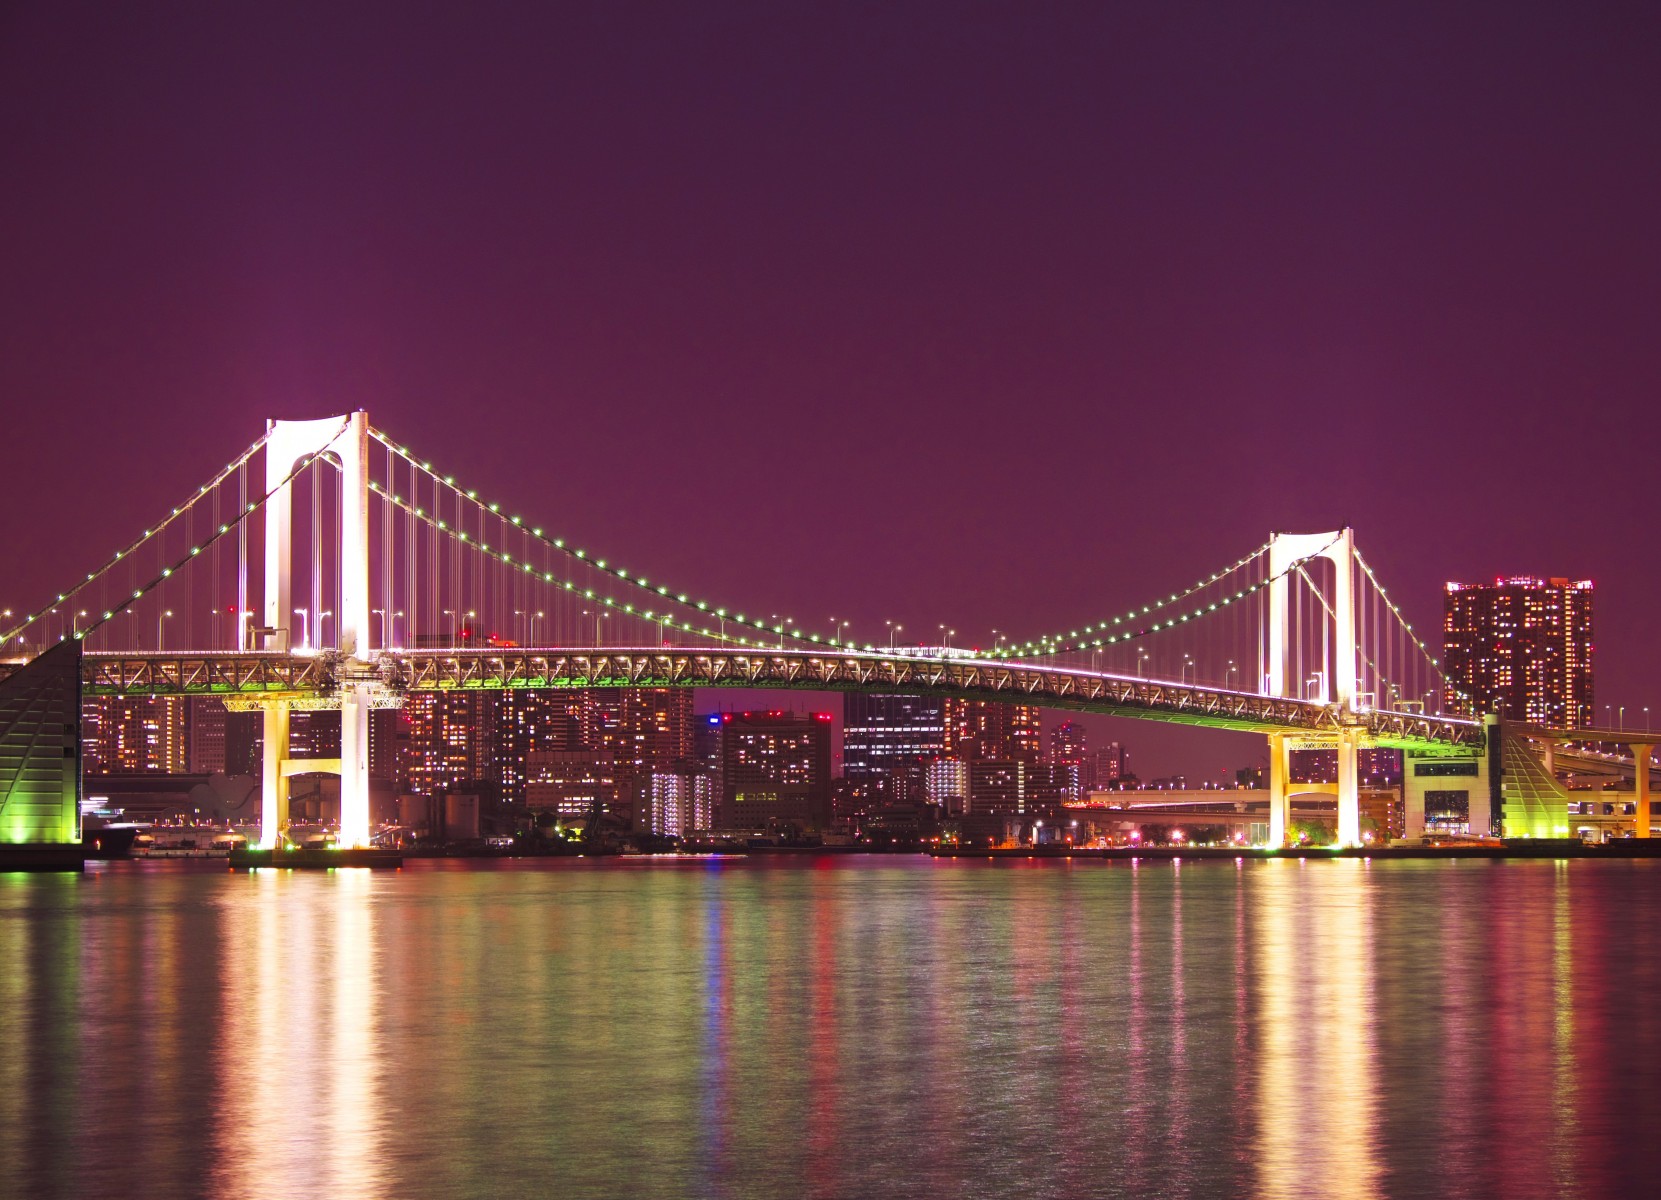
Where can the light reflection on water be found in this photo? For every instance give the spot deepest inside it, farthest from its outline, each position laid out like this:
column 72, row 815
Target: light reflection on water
column 833, row 1028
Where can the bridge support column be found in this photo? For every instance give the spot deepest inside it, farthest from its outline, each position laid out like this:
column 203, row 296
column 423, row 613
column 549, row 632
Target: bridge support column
column 1277, row 790
column 354, row 766
column 1349, row 789
column 1640, row 807
column 273, row 782
column 1412, row 802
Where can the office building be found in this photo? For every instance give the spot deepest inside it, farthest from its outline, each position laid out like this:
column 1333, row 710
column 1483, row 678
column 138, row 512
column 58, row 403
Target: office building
column 882, row 735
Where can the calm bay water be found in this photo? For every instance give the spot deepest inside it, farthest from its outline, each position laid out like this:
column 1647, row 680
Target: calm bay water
column 844, row 1027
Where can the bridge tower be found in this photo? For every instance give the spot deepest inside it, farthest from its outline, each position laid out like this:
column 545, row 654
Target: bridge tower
column 1338, row 680
column 345, row 439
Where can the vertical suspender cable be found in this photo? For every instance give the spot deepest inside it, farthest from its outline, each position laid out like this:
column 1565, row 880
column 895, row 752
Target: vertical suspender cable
column 1329, row 685
column 242, row 540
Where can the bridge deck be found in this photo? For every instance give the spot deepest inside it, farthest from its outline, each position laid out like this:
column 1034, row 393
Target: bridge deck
column 318, row 676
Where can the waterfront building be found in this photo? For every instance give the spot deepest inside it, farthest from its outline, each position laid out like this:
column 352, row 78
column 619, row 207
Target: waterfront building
column 570, row 784
column 453, row 737
column 1068, row 743
column 1068, row 753
column 1521, row 647
column 997, row 785
column 1048, row 786
column 528, row 721
column 681, row 803
column 774, row 771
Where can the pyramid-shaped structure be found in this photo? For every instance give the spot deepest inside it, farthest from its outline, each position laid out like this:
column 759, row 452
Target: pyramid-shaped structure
column 40, row 749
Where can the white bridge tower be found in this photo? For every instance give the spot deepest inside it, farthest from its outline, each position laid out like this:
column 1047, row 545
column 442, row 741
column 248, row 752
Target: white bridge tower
column 1337, row 678
column 345, row 440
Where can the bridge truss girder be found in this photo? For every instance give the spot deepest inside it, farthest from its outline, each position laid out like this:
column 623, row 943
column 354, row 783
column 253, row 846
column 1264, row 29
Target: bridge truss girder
column 315, row 680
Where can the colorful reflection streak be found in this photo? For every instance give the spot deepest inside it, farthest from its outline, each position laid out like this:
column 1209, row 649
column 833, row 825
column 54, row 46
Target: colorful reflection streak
column 872, row 1027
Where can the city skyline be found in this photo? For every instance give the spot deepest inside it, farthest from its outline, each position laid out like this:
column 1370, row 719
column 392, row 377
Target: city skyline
column 771, row 272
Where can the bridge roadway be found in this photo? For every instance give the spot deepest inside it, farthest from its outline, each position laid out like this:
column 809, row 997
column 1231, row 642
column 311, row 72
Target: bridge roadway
column 315, row 679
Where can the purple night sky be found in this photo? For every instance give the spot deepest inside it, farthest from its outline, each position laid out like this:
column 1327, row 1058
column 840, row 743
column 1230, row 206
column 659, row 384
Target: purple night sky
column 1000, row 316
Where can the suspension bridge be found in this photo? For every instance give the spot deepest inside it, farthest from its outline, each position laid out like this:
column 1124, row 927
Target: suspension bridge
column 330, row 566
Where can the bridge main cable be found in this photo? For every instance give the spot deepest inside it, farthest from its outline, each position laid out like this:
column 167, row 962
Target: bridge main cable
column 195, row 551
column 127, row 551
column 491, row 510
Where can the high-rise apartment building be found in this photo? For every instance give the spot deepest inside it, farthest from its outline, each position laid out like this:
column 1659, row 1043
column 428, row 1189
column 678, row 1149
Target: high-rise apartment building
column 1521, row 647
column 441, row 743
column 992, row 729
column 1070, row 756
column 127, row 734
column 646, row 729
column 207, row 734
column 680, row 803
column 1111, row 765
column 946, row 783
column 452, row 737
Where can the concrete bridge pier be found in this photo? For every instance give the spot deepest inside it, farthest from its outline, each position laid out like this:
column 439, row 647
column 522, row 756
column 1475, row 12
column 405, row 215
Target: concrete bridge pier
column 1278, row 803
column 1640, row 781
column 1349, row 789
column 355, row 705
column 273, row 780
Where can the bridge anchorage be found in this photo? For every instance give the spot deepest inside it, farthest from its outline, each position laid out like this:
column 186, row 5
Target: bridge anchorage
column 345, row 572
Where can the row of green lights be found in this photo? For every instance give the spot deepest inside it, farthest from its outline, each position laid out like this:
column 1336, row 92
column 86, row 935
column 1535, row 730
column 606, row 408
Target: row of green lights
column 1132, row 635
column 640, row 581
column 1099, row 643
column 127, row 550
column 570, row 585
column 1044, row 643
column 167, row 572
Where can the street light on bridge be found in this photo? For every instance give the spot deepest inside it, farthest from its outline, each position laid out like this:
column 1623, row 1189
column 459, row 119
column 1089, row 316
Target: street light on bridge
column 384, row 615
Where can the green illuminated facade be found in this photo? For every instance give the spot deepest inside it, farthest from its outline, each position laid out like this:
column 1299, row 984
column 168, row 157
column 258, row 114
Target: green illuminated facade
column 40, row 750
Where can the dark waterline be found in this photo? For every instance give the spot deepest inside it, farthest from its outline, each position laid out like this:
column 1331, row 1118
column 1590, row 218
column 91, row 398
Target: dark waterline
column 841, row 1027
